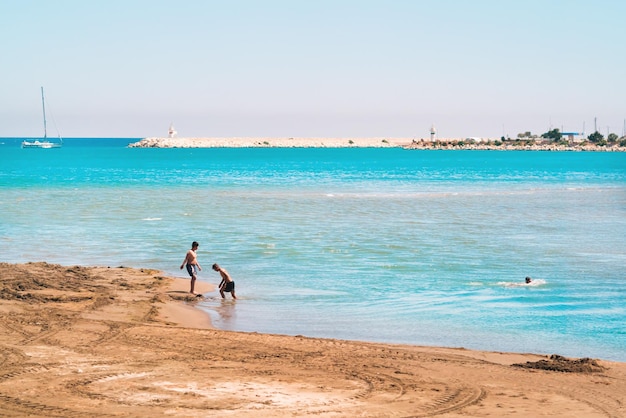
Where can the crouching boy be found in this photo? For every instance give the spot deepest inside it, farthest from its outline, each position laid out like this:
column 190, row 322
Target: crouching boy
column 227, row 284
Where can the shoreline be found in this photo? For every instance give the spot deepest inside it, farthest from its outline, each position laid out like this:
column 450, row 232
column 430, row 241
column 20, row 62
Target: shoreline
column 180, row 309
column 375, row 142
column 93, row 341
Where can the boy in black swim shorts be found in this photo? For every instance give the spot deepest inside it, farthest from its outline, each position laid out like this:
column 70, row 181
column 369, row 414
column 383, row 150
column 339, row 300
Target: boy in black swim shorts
column 191, row 261
column 227, row 284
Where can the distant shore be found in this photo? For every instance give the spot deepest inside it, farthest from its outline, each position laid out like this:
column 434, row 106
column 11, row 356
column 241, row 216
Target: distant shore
column 267, row 142
column 376, row 142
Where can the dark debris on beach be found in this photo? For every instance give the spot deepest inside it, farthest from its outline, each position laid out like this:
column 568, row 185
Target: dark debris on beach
column 559, row 363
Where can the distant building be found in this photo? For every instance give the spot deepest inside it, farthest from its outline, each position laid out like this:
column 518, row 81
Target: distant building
column 433, row 133
column 570, row 135
column 171, row 133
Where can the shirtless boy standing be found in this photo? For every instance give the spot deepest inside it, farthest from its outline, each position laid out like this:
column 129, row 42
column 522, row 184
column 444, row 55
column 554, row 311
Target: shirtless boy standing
column 227, row 284
column 193, row 266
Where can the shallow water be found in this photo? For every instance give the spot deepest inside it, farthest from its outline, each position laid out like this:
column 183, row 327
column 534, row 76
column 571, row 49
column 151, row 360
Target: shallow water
column 418, row 247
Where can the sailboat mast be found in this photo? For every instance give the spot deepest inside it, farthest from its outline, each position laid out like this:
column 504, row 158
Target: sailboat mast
column 43, row 105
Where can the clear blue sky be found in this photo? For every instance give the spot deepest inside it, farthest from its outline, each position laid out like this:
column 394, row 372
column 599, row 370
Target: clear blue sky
column 336, row 68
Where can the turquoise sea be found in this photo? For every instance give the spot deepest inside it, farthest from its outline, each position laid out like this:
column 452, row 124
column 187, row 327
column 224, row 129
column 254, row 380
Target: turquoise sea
column 389, row 245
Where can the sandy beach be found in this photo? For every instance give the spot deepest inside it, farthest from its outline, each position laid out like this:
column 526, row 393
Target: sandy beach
column 115, row 341
column 492, row 144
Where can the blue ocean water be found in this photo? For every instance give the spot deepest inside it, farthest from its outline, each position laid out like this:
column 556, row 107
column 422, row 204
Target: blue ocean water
column 390, row 245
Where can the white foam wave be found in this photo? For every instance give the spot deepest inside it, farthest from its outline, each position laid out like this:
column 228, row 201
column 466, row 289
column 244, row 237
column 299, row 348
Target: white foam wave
column 533, row 283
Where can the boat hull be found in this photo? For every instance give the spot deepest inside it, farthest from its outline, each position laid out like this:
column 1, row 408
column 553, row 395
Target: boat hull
column 40, row 144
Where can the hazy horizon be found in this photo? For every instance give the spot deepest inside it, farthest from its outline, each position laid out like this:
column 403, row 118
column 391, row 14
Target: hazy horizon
column 347, row 68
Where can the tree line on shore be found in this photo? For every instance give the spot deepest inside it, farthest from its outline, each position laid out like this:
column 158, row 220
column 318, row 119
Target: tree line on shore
column 551, row 140
column 596, row 138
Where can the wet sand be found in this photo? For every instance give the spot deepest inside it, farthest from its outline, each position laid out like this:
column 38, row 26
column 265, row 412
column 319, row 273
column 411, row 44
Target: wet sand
column 100, row 341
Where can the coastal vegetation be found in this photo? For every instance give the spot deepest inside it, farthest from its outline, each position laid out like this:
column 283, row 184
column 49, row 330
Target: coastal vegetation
column 553, row 140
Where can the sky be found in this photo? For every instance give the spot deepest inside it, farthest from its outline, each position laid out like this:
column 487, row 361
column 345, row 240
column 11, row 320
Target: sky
column 316, row 68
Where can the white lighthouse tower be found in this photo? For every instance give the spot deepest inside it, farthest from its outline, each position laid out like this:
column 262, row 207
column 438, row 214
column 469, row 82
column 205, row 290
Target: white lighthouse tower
column 433, row 133
column 171, row 133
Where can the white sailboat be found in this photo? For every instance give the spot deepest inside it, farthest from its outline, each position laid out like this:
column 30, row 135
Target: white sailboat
column 43, row 142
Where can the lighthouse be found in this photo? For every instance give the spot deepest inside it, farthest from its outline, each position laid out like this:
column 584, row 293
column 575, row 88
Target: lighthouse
column 171, row 133
column 433, row 133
